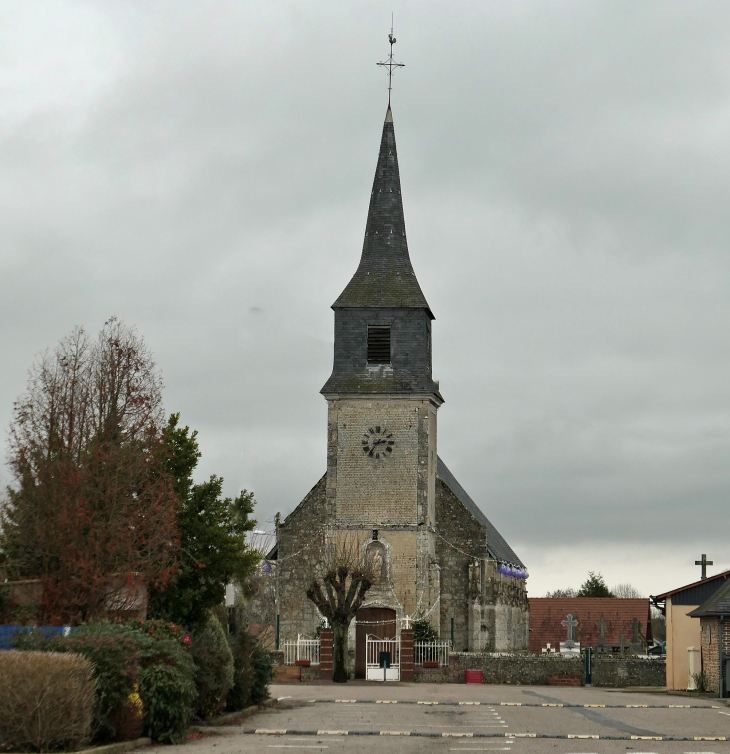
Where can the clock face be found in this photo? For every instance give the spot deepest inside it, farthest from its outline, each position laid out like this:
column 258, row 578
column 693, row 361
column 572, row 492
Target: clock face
column 378, row 442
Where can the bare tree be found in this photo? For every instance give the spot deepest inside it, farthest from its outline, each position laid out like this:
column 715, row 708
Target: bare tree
column 627, row 592
column 92, row 512
column 338, row 582
column 569, row 592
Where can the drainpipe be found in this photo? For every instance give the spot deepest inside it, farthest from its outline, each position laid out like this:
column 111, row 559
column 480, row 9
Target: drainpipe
column 719, row 650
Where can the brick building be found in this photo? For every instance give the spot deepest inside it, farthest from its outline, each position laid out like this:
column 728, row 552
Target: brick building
column 384, row 480
column 714, row 615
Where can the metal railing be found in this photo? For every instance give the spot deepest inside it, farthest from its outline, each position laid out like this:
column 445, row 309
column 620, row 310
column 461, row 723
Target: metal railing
column 431, row 651
column 301, row 649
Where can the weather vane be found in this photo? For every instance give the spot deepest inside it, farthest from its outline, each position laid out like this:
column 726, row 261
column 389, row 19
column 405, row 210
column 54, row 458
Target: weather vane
column 390, row 64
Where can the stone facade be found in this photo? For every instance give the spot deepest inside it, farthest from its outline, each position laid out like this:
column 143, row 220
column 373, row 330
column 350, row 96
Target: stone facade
column 385, row 484
column 710, row 645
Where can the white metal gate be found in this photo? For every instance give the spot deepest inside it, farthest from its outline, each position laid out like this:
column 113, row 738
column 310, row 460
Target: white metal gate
column 374, row 645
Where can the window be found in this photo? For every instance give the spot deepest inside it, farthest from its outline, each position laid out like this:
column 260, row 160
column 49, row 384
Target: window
column 378, row 345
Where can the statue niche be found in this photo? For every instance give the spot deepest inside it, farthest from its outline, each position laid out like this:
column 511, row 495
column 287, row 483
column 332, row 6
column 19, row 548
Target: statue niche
column 377, row 554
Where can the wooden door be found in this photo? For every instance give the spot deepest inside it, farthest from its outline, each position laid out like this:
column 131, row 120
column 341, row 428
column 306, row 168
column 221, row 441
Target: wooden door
column 373, row 621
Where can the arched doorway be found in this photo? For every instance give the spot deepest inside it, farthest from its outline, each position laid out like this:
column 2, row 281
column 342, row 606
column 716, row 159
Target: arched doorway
column 373, row 621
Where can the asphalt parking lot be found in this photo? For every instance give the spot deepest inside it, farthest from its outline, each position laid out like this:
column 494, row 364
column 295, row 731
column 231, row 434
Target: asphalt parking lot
column 451, row 718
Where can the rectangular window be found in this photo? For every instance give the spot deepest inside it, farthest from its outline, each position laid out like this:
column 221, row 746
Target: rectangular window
column 378, row 345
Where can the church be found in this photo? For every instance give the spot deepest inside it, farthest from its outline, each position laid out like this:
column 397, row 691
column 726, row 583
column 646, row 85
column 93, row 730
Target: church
column 443, row 560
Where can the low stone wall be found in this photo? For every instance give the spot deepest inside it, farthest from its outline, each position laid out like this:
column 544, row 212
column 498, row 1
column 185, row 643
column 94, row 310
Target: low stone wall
column 536, row 670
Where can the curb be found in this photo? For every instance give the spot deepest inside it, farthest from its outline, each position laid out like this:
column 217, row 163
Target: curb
column 231, row 718
column 510, row 704
column 119, row 746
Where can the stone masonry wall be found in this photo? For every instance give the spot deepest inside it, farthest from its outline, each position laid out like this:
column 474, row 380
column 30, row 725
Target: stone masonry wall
column 297, row 614
column 534, row 670
column 709, row 628
column 370, row 492
column 463, row 534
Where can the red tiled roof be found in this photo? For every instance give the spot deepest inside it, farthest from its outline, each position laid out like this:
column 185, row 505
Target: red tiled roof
column 547, row 613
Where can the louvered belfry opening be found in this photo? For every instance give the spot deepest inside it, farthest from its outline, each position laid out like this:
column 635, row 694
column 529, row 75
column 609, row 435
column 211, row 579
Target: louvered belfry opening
column 378, row 345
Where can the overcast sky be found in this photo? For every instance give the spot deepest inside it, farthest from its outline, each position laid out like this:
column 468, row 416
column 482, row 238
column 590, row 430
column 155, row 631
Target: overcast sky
column 202, row 170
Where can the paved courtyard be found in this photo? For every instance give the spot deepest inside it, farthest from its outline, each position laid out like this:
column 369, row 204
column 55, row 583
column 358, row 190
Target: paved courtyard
column 451, row 718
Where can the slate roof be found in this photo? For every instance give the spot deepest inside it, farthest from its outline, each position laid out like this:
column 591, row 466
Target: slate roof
column 496, row 544
column 385, row 276
column 695, row 593
column 546, row 614
column 718, row 604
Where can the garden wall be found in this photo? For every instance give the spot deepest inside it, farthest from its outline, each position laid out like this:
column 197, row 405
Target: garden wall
column 534, row 670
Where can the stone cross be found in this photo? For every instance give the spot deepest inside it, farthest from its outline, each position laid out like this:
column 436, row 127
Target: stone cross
column 571, row 623
column 407, row 621
column 602, row 646
column 548, row 649
column 704, row 563
column 636, row 645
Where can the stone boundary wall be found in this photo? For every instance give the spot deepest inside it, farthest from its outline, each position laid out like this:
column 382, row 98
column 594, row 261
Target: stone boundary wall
column 535, row 670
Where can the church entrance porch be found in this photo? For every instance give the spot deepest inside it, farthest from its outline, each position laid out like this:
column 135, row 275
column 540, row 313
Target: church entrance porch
column 376, row 622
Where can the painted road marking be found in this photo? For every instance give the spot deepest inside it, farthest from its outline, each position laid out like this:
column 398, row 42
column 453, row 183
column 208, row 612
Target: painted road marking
column 507, row 704
column 508, row 736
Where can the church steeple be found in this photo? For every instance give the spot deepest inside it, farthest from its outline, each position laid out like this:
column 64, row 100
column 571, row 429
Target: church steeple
column 382, row 318
column 385, row 276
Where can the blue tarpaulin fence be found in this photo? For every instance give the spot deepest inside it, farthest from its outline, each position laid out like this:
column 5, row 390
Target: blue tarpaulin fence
column 7, row 632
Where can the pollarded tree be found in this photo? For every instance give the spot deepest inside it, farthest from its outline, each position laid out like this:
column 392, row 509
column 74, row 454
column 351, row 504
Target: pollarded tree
column 338, row 582
column 92, row 509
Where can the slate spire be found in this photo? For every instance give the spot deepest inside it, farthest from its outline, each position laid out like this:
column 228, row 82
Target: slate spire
column 385, row 276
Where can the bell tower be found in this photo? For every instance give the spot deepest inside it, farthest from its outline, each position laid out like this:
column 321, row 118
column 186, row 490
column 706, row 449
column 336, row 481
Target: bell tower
column 382, row 399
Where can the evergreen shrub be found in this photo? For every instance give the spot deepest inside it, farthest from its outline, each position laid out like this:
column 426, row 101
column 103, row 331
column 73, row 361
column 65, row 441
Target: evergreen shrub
column 253, row 667
column 213, row 667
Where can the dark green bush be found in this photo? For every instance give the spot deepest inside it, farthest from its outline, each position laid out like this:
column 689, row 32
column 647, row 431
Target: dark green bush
column 167, row 690
column 213, row 667
column 252, row 669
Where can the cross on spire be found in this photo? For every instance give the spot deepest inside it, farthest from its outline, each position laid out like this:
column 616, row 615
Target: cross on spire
column 704, row 563
column 389, row 63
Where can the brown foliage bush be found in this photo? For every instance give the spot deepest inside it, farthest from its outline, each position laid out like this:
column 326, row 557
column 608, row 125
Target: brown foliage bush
column 46, row 699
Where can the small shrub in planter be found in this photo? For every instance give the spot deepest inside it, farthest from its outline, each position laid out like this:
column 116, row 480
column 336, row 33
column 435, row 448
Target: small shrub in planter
column 46, row 699
column 213, row 667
